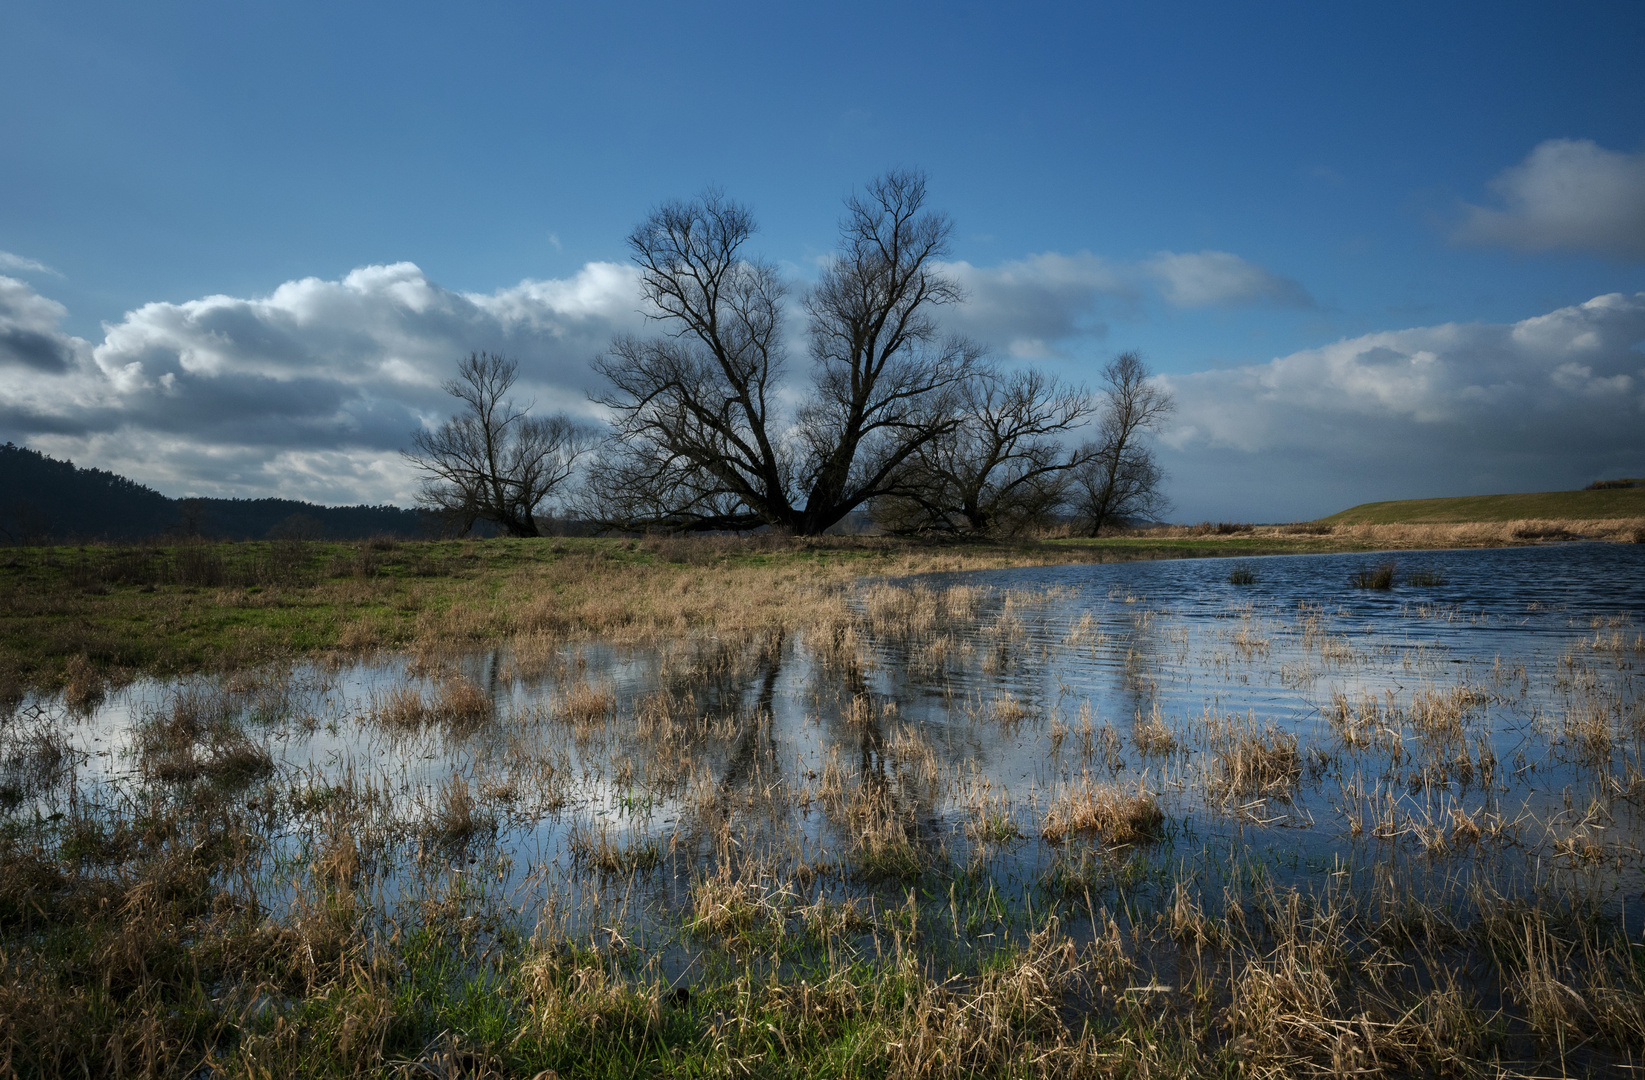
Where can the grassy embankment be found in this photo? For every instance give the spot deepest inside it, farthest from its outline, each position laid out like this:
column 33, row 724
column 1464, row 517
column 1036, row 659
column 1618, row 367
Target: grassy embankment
column 1574, row 507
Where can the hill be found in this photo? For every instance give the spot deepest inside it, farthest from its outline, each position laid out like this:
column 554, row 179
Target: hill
column 46, row 500
column 1545, row 505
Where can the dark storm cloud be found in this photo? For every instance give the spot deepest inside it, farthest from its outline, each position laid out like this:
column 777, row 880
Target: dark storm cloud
column 31, row 348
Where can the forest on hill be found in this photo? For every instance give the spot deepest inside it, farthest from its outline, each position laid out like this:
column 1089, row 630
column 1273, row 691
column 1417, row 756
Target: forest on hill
column 44, row 500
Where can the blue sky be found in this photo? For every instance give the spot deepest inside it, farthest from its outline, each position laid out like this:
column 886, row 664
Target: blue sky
column 207, row 211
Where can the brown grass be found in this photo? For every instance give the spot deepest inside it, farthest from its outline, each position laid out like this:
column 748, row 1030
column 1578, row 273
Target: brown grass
column 1418, row 535
column 83, row 684
column 1116, row 815
column 1150, row 735
column 1252, row 759
column 586, row 705
column 457, row 703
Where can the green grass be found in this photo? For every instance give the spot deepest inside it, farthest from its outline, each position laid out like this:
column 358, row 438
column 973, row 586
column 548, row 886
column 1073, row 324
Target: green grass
column 1544, row 505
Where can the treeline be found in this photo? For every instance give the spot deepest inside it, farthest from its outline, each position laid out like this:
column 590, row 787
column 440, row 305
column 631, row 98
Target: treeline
column 44, row 500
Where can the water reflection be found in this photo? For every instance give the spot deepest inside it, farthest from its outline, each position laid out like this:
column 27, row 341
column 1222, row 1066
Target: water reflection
column 1488, row 714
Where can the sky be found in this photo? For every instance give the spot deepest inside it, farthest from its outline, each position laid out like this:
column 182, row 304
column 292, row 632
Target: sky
column 1374, row 251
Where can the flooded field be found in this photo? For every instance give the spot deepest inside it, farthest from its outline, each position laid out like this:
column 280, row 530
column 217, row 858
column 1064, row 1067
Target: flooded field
column 1329, row 813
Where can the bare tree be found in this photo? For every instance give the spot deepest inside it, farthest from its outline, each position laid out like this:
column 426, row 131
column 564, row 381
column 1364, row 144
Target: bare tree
column 1003, row 466
column 702, row 441
column 1119, row 478
column 494, row 462
column 888, row 380
column 698, row 445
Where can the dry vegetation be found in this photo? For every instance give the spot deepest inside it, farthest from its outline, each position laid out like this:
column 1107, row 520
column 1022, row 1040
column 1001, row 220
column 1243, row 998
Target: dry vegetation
column 698, row 808
column 90, row 617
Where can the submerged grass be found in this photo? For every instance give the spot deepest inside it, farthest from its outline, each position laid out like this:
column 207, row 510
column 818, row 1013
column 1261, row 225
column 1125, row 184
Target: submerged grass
column 1380, row 576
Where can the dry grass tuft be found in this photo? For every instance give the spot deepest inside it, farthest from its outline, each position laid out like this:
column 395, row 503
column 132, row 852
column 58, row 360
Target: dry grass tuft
column 401, row 707
column 83, row 685
column 1380, row 576
column 457, row 704
column 723, row 905
column 1151, row 736
column 1007, row 710
column 1252, row 760
column 195, row 736
column 462, row 704
column 1116, row 815
column 594, row 847
column 458, row 816
column 588, row 706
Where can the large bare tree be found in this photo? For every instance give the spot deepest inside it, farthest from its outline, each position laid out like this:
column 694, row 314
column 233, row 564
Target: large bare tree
column 702, row 440
column 1119, row 478
column 494, row 461
column 1003, row 467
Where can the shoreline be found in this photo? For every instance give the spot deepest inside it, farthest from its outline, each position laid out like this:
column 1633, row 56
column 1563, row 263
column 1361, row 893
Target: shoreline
column 80, row 616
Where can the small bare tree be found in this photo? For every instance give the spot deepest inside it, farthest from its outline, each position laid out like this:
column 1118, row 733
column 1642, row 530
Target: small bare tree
column 1003, row 466
column 494, row 462
column 702, row 438
column 1119, row 478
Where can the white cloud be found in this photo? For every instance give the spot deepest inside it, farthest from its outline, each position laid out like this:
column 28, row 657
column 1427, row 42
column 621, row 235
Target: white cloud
column 1569, row 194
column 1029, row 308
column 17, row 264
column 1026, row 306
column 1221, row 279
column 1546, row 403
column 308, row 392
column 29, row 334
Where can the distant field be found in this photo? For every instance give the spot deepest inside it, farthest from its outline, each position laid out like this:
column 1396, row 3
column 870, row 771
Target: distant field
column 1547, row 505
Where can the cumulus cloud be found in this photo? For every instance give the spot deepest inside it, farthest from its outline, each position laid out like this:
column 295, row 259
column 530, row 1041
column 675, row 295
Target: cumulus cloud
column 17, row 264
column 1025, row 307
column 1546, row 403
column 311, row 391
column 308, row 392
column 1221, row 279
column 29, row 334
column 1029, row 308
column 1569, row 194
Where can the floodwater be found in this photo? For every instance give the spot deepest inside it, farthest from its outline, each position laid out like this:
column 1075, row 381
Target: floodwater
column 1487, row 710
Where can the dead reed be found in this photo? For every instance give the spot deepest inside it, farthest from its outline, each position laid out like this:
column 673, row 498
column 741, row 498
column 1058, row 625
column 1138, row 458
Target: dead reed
column 1251, row 759
column 1116, row 815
